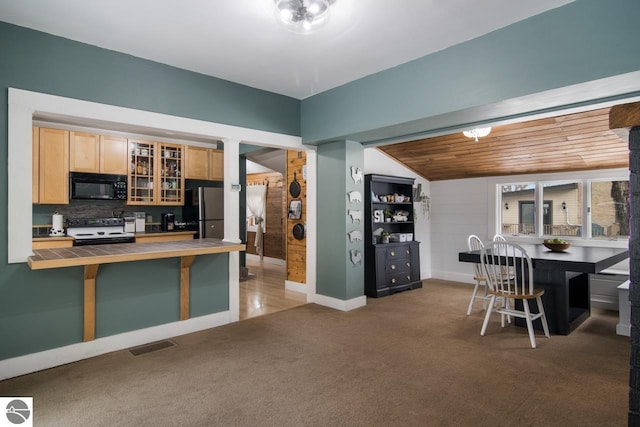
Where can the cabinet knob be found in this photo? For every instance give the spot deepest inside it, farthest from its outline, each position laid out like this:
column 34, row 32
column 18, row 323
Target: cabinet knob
column 408, row 264
column 393, row 266
column 407, row 251
column 408, row 277
column 393, row 280
column 393, row 253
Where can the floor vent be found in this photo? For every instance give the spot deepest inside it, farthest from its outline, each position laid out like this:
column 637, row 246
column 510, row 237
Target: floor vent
column 148, row 348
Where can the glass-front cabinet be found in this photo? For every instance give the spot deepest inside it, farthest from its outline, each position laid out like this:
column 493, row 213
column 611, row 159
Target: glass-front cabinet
column 155, row 173
column 171, row 176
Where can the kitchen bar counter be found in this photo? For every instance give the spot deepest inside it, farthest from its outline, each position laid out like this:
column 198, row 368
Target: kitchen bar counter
column 123, row 252
column 91, row 256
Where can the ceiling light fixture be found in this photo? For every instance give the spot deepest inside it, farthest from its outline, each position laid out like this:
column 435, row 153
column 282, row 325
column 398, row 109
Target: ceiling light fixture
column 302, row 15
column 477, row 133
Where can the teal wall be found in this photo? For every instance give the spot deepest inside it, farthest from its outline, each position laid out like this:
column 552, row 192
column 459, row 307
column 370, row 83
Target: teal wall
column 41, row 310
column 337, row 276
column 583, row 41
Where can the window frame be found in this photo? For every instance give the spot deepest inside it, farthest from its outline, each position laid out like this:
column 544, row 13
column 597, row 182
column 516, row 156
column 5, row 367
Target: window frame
column 586, row 239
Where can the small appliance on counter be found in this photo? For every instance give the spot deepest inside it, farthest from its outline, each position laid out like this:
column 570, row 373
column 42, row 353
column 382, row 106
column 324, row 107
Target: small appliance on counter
column 140, row 221
column 57, row 225
column 168, row 221
column 130, row 224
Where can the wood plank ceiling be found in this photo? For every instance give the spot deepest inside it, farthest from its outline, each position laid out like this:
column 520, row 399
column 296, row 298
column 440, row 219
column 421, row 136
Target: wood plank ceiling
column 573, row 142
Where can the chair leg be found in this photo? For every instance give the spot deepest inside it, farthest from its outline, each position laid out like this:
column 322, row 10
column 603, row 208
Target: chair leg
column 532, row 336
column 486, row 296
column 543, row 318
column 492, row 301
column 473, row 297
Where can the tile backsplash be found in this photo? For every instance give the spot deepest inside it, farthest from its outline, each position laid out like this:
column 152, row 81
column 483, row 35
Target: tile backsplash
column 98, row 209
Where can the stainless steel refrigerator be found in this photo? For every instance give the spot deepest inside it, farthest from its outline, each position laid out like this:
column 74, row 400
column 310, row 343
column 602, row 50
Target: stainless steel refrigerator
column 203, row 211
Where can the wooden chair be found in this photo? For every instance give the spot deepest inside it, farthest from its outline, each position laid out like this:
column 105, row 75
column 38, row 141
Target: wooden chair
column 475, row 244
column 520, row 287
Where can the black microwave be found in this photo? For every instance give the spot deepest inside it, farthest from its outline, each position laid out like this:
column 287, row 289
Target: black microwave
column 97, row 186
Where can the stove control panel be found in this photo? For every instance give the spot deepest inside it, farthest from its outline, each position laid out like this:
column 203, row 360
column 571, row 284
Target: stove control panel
column 95, row 222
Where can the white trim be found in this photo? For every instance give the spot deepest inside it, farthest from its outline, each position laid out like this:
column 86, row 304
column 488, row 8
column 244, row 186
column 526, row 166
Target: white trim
column 295, row 286
column 311, row 232
column 24, row 104
column 33, row 362
column 339, row 304
column 452, row 276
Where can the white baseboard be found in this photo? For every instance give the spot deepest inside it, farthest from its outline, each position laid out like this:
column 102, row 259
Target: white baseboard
column 295, row 286
column 33, row 362
column 267, row 260
column 623, row 329
column 339, row 304
column 453, row 276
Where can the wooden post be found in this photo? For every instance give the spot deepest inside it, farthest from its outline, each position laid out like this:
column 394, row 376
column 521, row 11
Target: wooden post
column 90, row 274
column 185, row 269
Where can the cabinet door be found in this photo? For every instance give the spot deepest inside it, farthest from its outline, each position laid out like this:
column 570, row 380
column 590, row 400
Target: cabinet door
column 35, row 165
column 84, row 152
column 142, row 183
column 217, row 165
column 113, row 155
column 169, row 175
column 197, row 163
column 54, row 166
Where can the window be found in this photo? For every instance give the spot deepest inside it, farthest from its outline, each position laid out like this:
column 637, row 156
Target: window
column 564, row 206
column 595, row 208
column 518, row 209
column 609, row 209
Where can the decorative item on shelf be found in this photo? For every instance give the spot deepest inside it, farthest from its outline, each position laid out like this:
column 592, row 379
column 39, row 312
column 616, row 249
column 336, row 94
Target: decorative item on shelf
column 354, row 236
column 356, row 174
column 356, row 256
column 388, row 214
column 378, row 215
column 354, row 196
column 356, row 216
column 386, row 236
column 401, row 216
column 374, row 198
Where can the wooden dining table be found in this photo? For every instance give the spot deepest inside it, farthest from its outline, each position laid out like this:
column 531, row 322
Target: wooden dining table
column 564, row 276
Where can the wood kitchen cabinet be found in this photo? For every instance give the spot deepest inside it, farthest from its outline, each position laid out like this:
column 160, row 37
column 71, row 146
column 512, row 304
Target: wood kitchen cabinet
column 35, row 165
column 204, row 163
column 97, row 153
column 53, row 166
column 155, row 173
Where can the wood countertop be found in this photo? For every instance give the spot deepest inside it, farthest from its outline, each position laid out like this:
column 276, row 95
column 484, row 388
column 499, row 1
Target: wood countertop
column 124, row 252
column 52, row 239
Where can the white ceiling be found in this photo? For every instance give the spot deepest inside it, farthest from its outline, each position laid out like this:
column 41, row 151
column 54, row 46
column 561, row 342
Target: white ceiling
column 239, row 40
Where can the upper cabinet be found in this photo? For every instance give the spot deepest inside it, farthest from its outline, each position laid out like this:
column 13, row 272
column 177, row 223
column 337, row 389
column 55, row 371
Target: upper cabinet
column 53, row 166
column 113, row 155
column 155, row 173
column 204, row 163
column 35, row 165
column 97, row 153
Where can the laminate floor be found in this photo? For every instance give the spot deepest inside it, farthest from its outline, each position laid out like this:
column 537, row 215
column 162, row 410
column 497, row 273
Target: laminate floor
column 264, row 291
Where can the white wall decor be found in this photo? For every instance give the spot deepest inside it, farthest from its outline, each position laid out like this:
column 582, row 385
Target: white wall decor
column 354, row 236
column 356, row 174
column 354, row 196
column 356, row 216
column 356, row 257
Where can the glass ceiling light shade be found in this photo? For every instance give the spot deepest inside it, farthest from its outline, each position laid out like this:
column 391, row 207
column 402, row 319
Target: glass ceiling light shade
column 302, row 15
column 477, row 133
